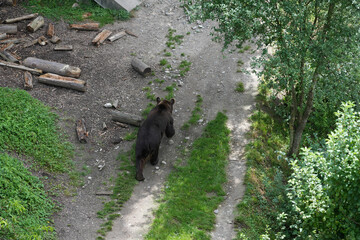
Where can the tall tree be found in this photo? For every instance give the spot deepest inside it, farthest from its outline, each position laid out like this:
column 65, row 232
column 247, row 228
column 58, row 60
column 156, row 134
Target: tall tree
column 315, row 41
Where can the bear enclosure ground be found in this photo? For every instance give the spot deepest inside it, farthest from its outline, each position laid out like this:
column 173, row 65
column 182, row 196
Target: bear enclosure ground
column 212, row 74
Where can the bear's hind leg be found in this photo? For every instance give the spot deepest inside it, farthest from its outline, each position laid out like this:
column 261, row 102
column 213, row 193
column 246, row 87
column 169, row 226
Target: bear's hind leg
column 154, row 157
column 140, row 163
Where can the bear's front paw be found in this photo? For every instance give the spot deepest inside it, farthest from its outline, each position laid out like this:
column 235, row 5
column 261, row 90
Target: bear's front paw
column 139, row 177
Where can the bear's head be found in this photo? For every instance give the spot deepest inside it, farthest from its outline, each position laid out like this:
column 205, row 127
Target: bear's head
column 165, row 104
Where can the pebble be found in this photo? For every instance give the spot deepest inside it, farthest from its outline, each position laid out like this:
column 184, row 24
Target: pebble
column 108, row 105
column 163, row 162
column 171, row 142
column 157, row 168
column 216, row 211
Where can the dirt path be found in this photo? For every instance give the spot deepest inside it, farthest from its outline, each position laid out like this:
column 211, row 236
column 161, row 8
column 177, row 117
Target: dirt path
column 109, row 76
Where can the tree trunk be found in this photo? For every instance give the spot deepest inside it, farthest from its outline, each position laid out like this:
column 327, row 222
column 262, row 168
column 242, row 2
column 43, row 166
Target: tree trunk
column 66, row 82
column 36, row 24
column 126, row 118
column 8, row 28
column 18, row 19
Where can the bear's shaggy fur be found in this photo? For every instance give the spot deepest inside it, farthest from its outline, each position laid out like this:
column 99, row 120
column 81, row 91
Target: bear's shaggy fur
column 158, row 122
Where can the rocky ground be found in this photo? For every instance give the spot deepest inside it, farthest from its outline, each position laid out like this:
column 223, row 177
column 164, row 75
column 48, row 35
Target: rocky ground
column 109, row 77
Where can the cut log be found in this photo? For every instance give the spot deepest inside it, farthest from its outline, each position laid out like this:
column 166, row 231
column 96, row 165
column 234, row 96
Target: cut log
column 35, row 24
column 18, row 19
column 8, row 28
column 11, row 40
column 52, row 67
column 140, row 67
column 28, row 85
column 55, row 39
column 21, row 67
column 86, row 26
column 8, row 57
column 30, row 43
column 3, row 36
column 126, row 118
column 60, row 81
column 81, row 130
column 63, row 48
column 101, row 37
column 131, row 33
column 7, row 46
column 117, row 36
column 42, row 41
column 51, row 30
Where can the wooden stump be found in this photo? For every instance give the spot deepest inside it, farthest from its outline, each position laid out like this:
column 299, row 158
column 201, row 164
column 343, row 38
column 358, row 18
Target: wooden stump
column 28, row 85
column 117, row 36
column 81, row 131
column 35, row 24
column 86, row 26
column 140, row 66
column 101, row 37
column 51, row 30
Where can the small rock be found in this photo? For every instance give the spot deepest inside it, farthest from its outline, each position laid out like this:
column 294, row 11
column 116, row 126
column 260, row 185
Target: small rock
column 115, row 103
column 171, row 142
column 201, row 26
column 194, row 27
column 104, row 126
column 200, row 120
column 167, row 71
column 187, row 138
column 216, row 211
column 163, row 162
column 89, row 178
column 169, row 13
column 116, row 140
column 157, row 168
column 75, row 5
column 108, row 105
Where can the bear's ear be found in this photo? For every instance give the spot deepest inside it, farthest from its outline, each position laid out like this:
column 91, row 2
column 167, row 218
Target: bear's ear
column 172, row 101
column 158, row 100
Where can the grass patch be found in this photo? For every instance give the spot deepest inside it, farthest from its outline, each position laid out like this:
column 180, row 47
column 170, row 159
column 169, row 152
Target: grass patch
column 163, row 62
column 240, row 87
column 194, row 191
column 148, row 93
column 171, row 90
column 167, row 54
column 265, row 178
column 173, row 39
column 55, row 9
column 124, row 185
column 29, row 128
column 184, row 67
column 159, row 81
column 195, row 114
column 25, row 208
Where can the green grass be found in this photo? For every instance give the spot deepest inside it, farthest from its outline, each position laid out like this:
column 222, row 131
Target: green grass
column 194, row 191
column 159, row 81
column 167, row 54
column 195, row 114
column 124, row 185
column 28, row 127
column 184, row 67
column 29, row 130
column 265, row 178
column 25, row 209
column 131, row 136
column 173, row 39
column 240, row 87
column 55, row 9
column 171, row 90
column 163, row 62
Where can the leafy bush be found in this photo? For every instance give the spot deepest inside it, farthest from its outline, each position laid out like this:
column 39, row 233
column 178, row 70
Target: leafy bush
column 24, row 207
column 324, row 187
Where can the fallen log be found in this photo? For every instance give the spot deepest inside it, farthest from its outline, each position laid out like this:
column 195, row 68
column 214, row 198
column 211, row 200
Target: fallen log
column 60, row 81
column 126, row 118
column 11, row 40
column 7, row 46
column 131, row 33
column 8, row 56
column 101, row 37
column 30, row 43
column 8, row 28
column 51, row 30
column 117, row 36
column 81, row 131
column 28, row 85
column 85, row 26
column 140, row 66
column 52, row 67
column 3, row 36
column 18, row 19
column 63, row 48
column 35, row 24
column 21, row 67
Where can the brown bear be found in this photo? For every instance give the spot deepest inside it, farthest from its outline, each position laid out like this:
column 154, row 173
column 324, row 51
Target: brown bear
column 158, row 122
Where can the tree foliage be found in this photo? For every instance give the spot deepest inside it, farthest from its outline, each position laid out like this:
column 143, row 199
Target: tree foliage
column 324, row 187
column 316, row 42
